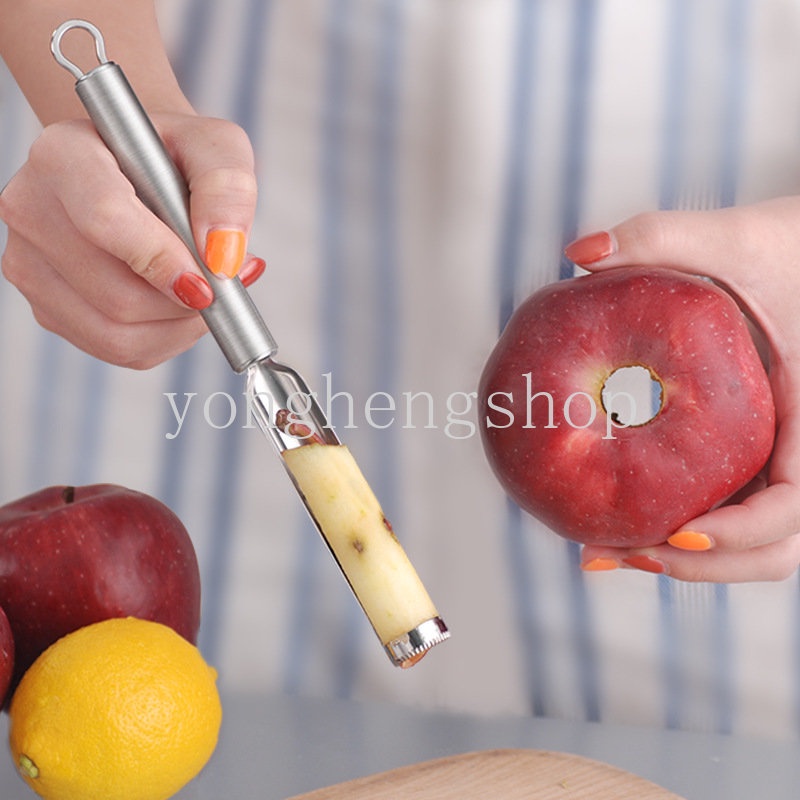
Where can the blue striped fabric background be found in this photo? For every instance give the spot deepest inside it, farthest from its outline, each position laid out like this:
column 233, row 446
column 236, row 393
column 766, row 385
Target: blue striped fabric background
column 422, row 165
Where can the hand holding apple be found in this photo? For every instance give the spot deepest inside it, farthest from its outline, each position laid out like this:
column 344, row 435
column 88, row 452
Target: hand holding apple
column 576, row 455
column 73, row 556
column 753, row 251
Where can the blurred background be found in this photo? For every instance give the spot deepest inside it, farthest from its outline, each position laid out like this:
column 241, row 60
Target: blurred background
column 422, row 164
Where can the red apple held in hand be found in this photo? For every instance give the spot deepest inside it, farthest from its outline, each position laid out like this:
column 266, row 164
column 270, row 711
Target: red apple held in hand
column 573, row 453
column 73, row 556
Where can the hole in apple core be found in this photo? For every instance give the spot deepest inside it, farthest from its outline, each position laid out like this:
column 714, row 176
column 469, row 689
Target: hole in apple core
column 632, row 396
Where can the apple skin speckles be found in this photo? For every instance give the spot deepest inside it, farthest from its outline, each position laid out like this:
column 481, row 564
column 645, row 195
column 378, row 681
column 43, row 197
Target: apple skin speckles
column 596, row 482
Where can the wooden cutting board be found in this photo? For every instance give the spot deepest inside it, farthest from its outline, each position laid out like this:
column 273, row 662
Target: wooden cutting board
column 499, row 775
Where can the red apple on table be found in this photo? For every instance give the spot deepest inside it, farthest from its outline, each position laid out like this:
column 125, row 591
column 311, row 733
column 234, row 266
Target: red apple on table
column 572, row 453
column 70, row 556
column 6, row 656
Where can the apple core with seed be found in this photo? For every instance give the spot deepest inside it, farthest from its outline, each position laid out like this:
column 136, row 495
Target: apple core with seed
column 616, row 407
column 360, row 537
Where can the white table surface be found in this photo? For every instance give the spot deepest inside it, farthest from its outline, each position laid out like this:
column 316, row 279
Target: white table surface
column 274, row 747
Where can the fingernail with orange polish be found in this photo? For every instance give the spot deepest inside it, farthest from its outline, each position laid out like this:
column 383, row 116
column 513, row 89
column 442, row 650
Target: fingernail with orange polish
column 591, row 248
column 690, row 540
column 193, row 290
column 252, row 270
column 646, row 564
column 225, row 251
column 599, row 565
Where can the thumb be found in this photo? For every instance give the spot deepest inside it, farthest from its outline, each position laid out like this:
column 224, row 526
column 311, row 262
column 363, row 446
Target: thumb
column 216, row 158
column 711, row 243
column 750, row 250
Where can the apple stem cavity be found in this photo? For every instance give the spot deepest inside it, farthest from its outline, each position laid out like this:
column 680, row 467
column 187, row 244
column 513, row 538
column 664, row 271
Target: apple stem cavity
column 68, row 494
column 632, row 395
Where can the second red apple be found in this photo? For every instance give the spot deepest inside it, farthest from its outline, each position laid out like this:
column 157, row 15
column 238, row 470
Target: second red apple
column 71, row 556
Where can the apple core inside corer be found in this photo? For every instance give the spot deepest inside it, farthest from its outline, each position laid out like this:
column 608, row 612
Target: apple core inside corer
column 632, row 395
column 361, row 539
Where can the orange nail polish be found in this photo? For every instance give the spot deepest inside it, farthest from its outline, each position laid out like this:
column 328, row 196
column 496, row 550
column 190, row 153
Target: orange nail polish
column 690, row 540
column 646, row 564
column 225, row 251
column 591, row 248
column 599, row 565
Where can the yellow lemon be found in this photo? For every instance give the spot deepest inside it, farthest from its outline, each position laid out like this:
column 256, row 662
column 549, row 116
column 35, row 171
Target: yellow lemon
column 124, row 709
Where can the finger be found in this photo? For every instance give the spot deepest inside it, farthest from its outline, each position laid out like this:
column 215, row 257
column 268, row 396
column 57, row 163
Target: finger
column 219, row 168
column 104, row 209
column 757, row 539
column 51, row 243
column 139, row 345
column 57, row 307
column 764, row 516
column 773, row 562
column 691, row 241
column 723, row 244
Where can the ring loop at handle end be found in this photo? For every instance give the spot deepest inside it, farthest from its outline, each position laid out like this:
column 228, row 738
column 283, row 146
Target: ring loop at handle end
column 73, row 24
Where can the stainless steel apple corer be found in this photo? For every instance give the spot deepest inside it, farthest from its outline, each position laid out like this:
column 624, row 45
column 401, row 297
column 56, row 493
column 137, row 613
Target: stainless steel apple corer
column 326, row 477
